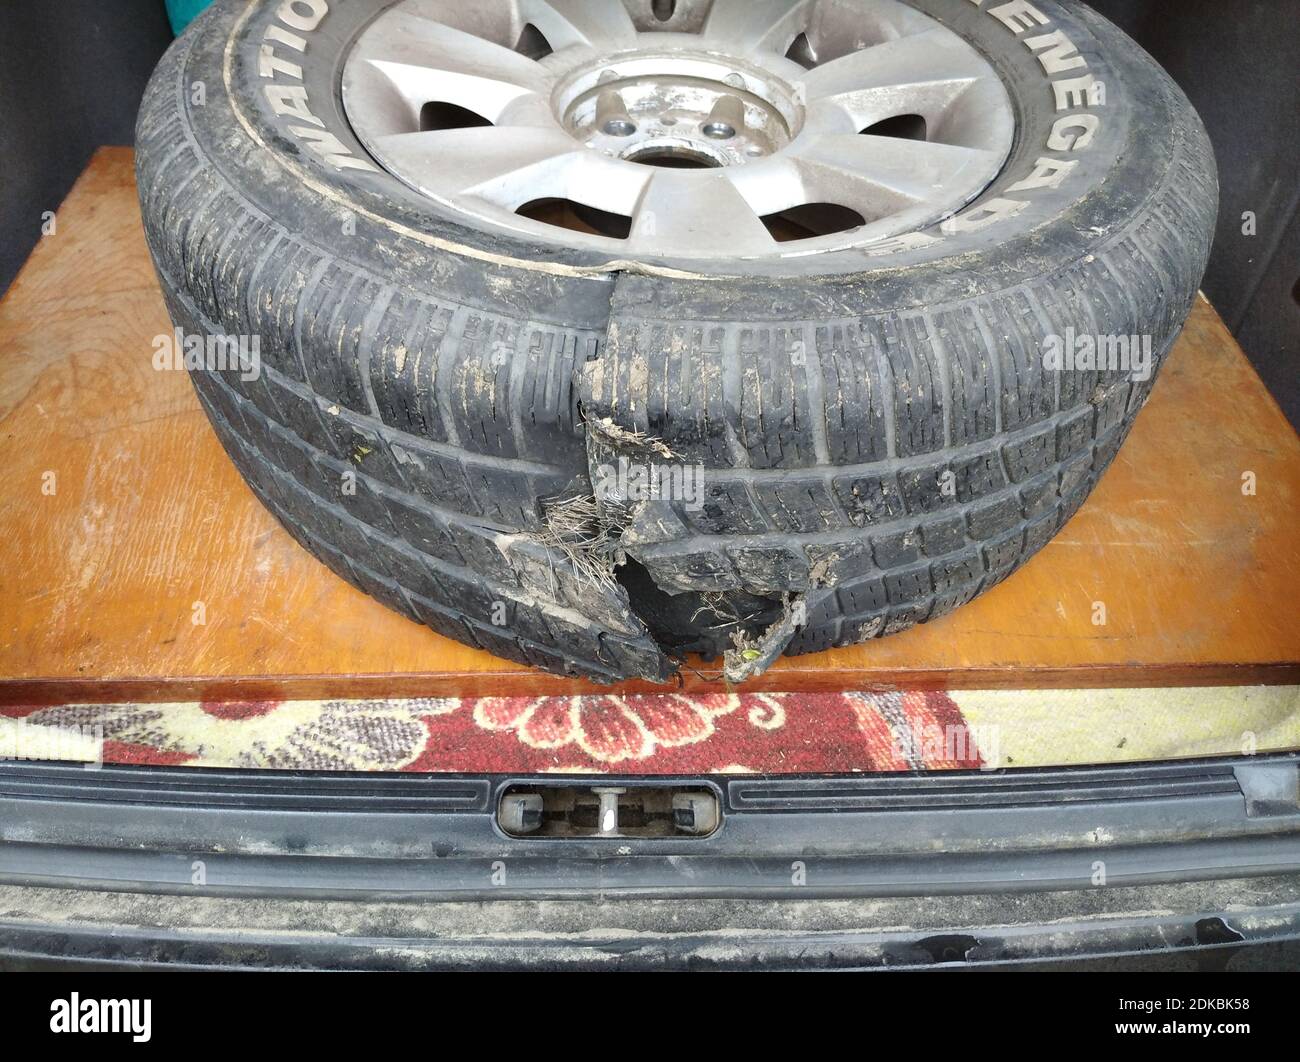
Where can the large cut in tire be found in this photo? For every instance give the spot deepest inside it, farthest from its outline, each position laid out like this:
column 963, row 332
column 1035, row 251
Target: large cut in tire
column 877, row 434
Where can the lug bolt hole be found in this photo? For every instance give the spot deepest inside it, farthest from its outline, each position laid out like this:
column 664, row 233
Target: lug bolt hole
column 719, row 131
column 619, row 127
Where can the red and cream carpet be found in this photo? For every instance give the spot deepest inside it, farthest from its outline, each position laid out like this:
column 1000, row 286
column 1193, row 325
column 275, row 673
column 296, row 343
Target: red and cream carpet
column 666, row 734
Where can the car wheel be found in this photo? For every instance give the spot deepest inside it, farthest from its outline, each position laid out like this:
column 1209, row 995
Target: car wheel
column 593, row 333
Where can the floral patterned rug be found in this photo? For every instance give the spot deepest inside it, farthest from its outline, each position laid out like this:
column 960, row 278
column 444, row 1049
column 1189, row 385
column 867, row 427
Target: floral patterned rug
column 665, row 734
column 652, row 734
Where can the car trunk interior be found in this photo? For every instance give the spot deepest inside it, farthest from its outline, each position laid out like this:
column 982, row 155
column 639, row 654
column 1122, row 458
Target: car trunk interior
column 1120, row 643
column 157, row 616
column 207, row 637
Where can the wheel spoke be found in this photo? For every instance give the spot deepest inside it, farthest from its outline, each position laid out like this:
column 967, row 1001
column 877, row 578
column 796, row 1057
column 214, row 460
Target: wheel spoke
column 510, row 166
column 596, row 24
column 503, row 165
column 420, row 41
column 879, row 175
column 921, row 74
column 421, row 61
column 408, row 88
column 757, row 24
column 771, row 185
column 701, row 208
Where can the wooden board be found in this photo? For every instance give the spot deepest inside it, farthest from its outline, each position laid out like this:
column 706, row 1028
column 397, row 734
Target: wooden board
column 99, row 580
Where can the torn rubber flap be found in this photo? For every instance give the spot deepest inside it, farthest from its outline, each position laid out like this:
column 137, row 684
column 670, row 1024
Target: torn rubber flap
column 633, row 475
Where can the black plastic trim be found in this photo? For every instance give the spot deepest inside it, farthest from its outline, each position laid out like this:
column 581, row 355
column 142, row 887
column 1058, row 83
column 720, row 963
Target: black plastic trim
column 366, row 836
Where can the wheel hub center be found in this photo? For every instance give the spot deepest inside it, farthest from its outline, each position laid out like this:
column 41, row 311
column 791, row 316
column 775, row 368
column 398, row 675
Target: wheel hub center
column 678, row 111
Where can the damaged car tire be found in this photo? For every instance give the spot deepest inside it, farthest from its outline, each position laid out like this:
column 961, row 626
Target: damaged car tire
column 594, row 333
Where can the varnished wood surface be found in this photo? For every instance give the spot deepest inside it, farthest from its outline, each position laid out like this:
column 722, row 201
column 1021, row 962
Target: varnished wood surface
column 98, row 581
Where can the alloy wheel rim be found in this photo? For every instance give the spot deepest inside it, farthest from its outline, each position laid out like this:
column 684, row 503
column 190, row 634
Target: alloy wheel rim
column 770, row 129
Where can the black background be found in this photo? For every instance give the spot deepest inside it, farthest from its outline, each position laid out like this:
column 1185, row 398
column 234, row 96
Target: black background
column 356, row 1013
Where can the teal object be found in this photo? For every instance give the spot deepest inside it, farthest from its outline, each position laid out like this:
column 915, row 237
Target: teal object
column 183, row 12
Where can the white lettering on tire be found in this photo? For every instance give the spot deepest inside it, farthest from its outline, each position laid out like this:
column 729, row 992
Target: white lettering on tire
column 297, row 17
